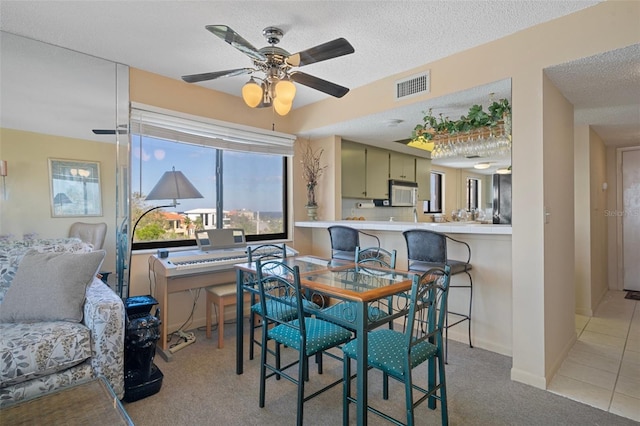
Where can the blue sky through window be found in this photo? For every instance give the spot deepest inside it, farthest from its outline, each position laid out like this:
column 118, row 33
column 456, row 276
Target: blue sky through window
column 251, row 181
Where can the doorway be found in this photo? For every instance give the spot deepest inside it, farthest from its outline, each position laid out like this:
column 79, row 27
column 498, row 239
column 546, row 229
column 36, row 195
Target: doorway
column 629, row 216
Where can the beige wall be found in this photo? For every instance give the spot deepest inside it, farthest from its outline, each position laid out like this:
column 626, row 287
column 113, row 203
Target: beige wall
column 595, row 238
column 598, row 220
column 559, row 241
column 27, row 207
column 582, row 208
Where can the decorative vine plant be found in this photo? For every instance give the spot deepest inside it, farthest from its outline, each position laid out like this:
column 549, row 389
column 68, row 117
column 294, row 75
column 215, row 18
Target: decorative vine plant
column 499, row 112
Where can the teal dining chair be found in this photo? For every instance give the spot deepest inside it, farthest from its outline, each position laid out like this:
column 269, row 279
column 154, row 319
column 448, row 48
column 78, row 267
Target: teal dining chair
column 280, row 295
column 262, row 252
column 398, row 353
column 374, row 257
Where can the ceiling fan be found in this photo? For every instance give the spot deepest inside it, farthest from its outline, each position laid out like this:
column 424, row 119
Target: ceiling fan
column 276, row 87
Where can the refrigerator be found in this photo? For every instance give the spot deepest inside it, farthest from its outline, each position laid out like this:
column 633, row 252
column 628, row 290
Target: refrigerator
column 502, row 199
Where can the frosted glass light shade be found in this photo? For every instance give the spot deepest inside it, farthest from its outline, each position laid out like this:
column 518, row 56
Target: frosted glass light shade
column 285, row 91
column 281, row 107
column 482, row 166
column 252, row 93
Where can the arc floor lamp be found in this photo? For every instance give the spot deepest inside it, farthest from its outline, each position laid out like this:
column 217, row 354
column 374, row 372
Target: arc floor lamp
column 173, row 185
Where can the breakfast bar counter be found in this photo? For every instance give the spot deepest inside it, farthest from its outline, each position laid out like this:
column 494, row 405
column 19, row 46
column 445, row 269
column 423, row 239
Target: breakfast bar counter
column 490, row 245
column 445, row 227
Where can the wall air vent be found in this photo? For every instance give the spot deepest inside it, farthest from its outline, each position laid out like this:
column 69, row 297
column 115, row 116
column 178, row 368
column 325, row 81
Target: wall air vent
column 413, row 85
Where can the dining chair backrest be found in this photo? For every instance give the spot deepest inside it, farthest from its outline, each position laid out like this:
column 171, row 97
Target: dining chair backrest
column 376, row 256
column 281, row 296
column 266, row 251
column 428, row 307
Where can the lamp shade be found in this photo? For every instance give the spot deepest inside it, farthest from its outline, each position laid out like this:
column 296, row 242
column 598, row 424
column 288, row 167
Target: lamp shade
column 252, row 93
column 285, row 91
column 61, row 198
column 173, row 185
column 282, row 107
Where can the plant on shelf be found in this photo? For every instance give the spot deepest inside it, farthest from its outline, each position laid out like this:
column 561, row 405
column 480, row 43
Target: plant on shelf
column 311, row 172
column 499, row 112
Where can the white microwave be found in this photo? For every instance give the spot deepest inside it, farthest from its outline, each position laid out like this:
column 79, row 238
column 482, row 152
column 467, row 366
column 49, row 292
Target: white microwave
column 402, row 193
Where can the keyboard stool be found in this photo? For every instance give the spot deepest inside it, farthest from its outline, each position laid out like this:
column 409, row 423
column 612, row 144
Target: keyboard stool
column 221, row 295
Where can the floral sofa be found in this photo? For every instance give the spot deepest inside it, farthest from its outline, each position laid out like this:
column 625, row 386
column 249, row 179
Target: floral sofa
column 41, row 356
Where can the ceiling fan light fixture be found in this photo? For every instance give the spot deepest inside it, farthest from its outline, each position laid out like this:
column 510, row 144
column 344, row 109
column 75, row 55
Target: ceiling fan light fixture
column 504, row 171
column 281, row 107
column 252, row 93
column 285, row 90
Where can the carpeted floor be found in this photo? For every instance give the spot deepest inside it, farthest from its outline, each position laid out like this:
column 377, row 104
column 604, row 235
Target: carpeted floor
column 200, row 387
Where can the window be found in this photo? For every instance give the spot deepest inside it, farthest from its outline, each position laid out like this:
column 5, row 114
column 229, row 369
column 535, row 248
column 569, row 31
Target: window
column 473, row 193
column 243, row 185
column 435, row 203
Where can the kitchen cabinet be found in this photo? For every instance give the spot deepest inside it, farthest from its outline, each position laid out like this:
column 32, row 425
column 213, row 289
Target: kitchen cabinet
column 366, row 171
column 377, row 174
column 402, row 166
column 354, row 163
column 423, row 178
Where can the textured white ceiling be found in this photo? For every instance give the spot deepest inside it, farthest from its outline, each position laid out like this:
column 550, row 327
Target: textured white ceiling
column 389, row 37
column 169, row 38
column 605, row 92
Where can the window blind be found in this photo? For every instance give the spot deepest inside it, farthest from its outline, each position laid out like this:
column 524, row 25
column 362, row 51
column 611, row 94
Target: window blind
column 172, row 125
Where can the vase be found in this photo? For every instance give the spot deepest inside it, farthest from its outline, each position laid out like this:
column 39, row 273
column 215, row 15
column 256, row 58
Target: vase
column 312, row 212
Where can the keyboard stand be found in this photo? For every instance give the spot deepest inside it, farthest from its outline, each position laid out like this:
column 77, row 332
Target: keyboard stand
column 174, row 284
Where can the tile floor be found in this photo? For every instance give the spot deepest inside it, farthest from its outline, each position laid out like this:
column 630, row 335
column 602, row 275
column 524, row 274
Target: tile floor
column 603, row 367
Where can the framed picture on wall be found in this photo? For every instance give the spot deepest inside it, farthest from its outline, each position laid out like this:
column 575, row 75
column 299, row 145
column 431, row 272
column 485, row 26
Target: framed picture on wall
column 75, row 188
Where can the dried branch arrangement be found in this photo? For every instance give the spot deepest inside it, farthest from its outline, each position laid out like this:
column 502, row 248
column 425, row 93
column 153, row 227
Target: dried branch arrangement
column 311, row 172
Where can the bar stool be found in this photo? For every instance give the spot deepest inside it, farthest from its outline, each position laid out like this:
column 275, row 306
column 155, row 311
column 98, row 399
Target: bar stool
column 427, row 249
column 344, row 241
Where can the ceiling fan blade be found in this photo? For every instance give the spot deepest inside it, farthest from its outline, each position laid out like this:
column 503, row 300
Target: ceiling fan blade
column 319, row 84
column 322, row 52
column 121, row 130
column 235, row 40
column 194, row 78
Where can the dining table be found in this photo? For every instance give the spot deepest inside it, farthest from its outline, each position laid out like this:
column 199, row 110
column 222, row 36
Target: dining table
column 364, row 291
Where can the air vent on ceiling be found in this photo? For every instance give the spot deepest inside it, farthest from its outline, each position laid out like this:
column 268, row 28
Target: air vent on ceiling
column 413, row 85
